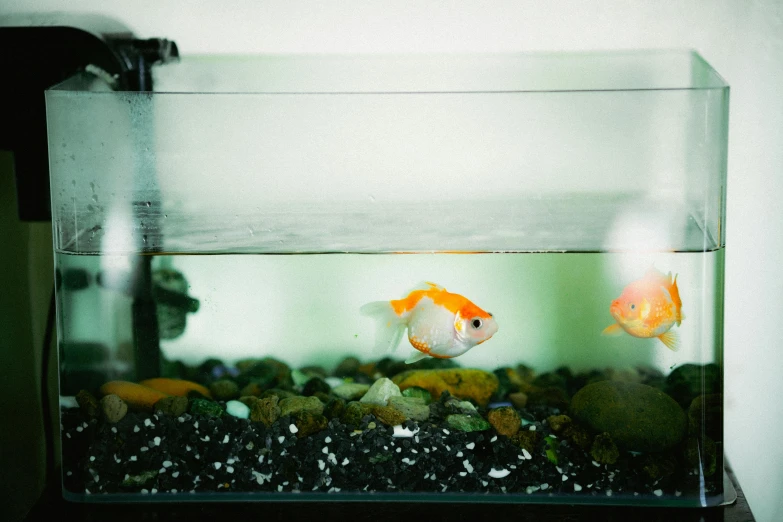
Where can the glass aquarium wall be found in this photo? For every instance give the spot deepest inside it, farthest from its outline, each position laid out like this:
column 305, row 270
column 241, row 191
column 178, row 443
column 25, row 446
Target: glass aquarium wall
column 494, row 277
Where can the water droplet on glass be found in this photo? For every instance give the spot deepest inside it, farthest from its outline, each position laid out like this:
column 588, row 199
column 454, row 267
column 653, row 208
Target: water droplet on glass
column 250, row 231
column 372, row 198
column 149, row 204
column 144, row 238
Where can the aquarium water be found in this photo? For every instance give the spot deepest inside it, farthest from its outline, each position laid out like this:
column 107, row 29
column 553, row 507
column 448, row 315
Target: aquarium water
column 232, row 358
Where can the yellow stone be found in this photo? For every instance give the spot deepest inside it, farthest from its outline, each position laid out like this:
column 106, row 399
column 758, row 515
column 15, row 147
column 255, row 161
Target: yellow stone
column 135, row 395
column 463, row 383
column 178, row 387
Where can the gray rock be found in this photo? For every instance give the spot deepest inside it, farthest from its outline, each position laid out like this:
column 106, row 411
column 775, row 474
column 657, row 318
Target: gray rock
column 114, row 408
column 380, row 392
column 174, row 406
column 636, row 416
column 350, row 391
column 413, row 408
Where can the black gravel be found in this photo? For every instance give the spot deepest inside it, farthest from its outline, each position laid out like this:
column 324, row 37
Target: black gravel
column 149, row 454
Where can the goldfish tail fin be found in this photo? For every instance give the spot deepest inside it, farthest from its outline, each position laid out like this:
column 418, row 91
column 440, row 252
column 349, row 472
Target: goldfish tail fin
column 415, row 356
column 389, row 326
column 671, row 340
column 612, row 330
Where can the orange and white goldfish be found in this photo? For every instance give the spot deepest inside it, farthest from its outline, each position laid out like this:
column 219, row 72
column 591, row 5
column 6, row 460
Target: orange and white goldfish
column 440, row 324
column 649, row 307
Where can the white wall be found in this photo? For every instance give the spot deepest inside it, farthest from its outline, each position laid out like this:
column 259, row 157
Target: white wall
column 743, row 40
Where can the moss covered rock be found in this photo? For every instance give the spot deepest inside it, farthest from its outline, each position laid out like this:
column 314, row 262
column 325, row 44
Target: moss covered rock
column 636, row 416
column 297, row 404
column 505, row 420
column 308, row 423
column 265, row 410
column 477, row 385
column 467, row 423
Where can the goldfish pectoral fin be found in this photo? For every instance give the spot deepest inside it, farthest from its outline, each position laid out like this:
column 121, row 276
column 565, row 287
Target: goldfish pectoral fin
column 612, row 330
column 415, row 356
column 671, row 340
column 389, row 327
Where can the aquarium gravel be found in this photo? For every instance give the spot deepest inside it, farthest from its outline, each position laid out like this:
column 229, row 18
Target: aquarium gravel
column 157, row 453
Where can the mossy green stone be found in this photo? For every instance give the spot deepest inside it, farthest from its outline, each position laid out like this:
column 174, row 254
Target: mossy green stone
column 415, row 391
column 462, row 422
column 636, row 416
column 205, row 407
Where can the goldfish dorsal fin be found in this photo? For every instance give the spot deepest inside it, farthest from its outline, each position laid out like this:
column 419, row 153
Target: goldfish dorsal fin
column 656, row 275
column 425, row 285
column 671, row 340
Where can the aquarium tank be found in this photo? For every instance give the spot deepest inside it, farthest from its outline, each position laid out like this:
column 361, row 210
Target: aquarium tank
column 453, row 278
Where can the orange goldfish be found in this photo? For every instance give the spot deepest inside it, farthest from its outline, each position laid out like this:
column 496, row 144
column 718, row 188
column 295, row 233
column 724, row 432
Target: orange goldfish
column 649, row 307
column 440, row 324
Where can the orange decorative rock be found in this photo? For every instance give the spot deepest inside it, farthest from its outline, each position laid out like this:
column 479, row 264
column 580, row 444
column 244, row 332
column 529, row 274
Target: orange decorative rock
column 135, row 395
column 177, row 387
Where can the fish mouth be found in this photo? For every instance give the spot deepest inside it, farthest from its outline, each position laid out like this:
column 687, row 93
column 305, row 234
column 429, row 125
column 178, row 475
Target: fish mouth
column 614, row 308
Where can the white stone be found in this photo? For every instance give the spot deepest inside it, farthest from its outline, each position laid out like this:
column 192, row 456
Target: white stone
column 380, row 392
column 498, row 473
column 238, row 409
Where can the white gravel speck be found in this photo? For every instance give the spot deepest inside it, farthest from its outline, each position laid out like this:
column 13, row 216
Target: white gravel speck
column 399, row 431
column 577, row 487
column 498, row 473
column 156, row 440
column 325, row 450
column 225, row 439
column 217, row 465
column 658, row 492
column 280, row 439
column 175, row 474
column 447, row 432
column 564, row 477
column 148, row 423
column 321, row 465
column 677, row 493
column 544, row 486
column 144, row 448
column 79, row 429
column 597, row 465
column 230, row 469
column 527, row 454
column 459, row 454
column 470, row 445
column 166, row 463
column 328, row 439
column 345, row 461
column 532, row 427
column 292, row 428
column 467, row 465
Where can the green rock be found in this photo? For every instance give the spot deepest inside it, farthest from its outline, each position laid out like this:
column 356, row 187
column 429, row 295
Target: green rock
column 552, row 445
column 140, row 479
column 351, row 391
column 348, row 367
column 705, row 416
column 380, row 457
column 355, row 412
column 205, row 407
column 297, row 404
column 88, row 404
column 689, row 381
column 334, row 408
column 659, row 465
column 280, row 394
column 315, row 385
column 462, row 422
column 604, row 450
column 551, row 396
column 172, row 406
column 526, row 439
column 224, row 390
column 415, row 391
column 413, row 408
column 637, row 417
column 380, row 392
column 702, row 453
column 308, row 423
column 114, row 408
column 265, row 410
column 505, row 420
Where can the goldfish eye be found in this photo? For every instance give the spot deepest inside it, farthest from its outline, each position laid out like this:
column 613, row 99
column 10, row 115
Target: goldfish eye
column 476, row 323
column 633, row 306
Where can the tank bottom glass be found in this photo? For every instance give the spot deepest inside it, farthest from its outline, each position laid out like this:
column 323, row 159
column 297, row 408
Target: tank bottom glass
column 316, row 444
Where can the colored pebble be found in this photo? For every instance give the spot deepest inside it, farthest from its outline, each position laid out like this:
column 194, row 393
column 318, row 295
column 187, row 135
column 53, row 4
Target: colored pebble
column 135, row 395
column 237, row 409
column 178, row 387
